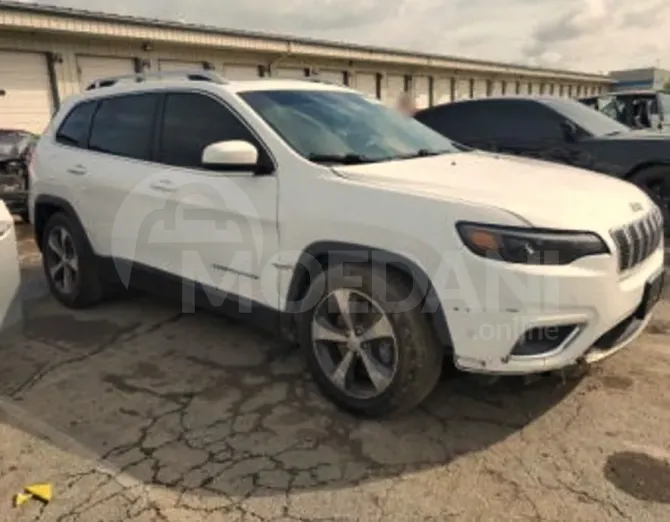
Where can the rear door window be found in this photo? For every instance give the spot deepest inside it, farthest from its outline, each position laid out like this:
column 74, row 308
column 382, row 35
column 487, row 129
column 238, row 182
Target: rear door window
column 456, row 121
column 523, row 120
column 124, row 125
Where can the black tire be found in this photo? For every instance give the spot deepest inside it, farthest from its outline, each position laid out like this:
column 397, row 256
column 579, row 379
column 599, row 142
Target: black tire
column 647, row 179
column 420, row 355
column 88, row 290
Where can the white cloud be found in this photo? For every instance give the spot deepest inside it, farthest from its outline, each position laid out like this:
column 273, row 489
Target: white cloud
column 592, row 35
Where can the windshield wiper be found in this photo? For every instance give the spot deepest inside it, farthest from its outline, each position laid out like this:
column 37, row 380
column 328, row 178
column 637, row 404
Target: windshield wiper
column 342, row 159
column 422, row 153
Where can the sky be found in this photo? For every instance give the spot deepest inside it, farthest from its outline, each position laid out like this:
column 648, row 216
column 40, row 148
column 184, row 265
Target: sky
column 588, row 35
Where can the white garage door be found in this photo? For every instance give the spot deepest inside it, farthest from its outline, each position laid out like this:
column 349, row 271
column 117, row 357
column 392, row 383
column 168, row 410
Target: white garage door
column 496, row 88
column 442, row 88
column 91, row 68
column 241, row 72
column 26, row 103
column 367, row 83
column 395, row 87
column 290, row 72
column 480, row 88
column 177, row 65
column 462, row 89
column 331, row 76
column 421, row 91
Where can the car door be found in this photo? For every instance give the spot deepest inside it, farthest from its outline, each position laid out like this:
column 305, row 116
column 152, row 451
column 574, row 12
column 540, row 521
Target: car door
column 117, row 174
column 225, row 222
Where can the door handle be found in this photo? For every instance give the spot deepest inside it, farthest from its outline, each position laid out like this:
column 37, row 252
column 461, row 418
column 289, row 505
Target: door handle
column 77, row 170
column 163, row 185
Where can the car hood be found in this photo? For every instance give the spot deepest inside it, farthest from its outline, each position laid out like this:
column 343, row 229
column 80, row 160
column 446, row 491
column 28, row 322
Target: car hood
column 543, row 194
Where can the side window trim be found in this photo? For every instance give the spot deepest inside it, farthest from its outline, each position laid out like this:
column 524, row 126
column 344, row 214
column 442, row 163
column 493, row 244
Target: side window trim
column 259, row 142
column 158, row 128
column 98, row 103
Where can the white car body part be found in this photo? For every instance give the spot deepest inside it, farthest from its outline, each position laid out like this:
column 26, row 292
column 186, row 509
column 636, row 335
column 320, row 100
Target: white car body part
column 11, row 308
column 421, row 213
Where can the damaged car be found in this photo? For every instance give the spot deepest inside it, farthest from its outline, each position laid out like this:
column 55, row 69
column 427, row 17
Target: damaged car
column 16, row 147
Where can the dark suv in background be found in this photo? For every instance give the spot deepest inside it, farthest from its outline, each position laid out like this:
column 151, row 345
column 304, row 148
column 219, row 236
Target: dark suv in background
column 559, row 130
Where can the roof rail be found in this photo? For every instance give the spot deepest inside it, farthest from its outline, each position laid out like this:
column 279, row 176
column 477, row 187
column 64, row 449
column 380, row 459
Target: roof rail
column 197, row 75
column 316, row 79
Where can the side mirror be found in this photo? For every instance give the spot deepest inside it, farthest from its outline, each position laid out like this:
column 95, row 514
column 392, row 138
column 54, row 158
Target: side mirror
column 230, row 156
column 570, row 133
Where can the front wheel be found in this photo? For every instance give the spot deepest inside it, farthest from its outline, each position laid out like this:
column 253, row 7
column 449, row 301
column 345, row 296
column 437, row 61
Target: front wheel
column 368, row 346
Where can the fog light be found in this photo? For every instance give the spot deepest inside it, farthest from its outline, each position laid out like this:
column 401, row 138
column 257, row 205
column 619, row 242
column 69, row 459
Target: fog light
column 540, row 341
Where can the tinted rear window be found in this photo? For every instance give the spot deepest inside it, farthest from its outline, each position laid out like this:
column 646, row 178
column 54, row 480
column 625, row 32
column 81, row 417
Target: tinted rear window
column 77, row 125
column 450, row 120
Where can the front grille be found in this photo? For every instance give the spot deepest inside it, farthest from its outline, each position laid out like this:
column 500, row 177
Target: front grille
column 636, row 241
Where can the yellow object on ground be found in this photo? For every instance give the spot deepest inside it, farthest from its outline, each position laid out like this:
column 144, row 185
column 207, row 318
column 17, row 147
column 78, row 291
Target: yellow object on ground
column 41, row 492
column 21, row 498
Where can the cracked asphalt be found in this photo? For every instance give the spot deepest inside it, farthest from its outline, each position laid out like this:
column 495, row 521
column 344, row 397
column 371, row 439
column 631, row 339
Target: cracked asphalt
column 138, row 413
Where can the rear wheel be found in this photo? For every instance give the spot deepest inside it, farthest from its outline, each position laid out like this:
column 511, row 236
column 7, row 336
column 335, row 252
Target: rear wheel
column 655, row 181
column 369, row 347
column 69, row 264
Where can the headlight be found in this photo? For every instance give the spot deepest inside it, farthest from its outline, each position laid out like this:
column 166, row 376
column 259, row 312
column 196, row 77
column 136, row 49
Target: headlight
column 529, row 246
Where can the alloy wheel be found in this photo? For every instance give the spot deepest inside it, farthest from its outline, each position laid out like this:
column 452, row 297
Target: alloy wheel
column 354, row 343
column 62, row 261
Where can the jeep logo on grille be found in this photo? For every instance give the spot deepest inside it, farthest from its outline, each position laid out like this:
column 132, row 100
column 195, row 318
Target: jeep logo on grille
column 636, row 207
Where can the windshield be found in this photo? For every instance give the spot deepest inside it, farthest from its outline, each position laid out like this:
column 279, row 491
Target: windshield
column 592, row 121
column 344, row 127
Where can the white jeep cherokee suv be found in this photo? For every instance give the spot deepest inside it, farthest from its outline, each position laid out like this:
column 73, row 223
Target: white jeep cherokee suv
column 375, row 243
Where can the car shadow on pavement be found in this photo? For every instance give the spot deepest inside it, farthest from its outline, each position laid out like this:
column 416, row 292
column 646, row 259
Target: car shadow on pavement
column 208, row 407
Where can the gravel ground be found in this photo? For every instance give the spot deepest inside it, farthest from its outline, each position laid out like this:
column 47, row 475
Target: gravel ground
column 137, row 413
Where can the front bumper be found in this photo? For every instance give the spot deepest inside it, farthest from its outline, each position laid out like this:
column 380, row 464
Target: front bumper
column 507, row 301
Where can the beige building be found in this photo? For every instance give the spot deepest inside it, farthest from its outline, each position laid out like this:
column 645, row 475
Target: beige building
column 47, row 54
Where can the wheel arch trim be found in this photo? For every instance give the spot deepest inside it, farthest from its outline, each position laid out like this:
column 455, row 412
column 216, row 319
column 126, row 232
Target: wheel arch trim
column 53, row 201
column 316, row 256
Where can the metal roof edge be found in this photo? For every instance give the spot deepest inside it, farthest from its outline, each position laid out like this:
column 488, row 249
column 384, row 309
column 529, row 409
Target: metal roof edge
column 157, row 23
